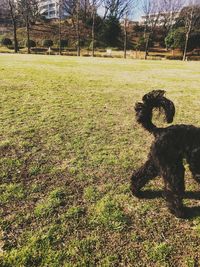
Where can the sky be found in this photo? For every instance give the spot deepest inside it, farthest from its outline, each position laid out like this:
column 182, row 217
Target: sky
column 137, row 12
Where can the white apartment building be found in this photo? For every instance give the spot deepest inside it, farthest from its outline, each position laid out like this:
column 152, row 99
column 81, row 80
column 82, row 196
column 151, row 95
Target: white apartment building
column 50, row 9
column 161, row 17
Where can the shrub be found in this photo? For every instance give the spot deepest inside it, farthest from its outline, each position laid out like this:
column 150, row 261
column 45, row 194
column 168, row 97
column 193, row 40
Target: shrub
column 70, row 54
column 174, row 57
column 71, row 49
column 85, row 55
column 31, row 43
column 64, row 43
column 39, row 50
column 47, row 43
column 195, row 58
column 175, row 39
column 6, row 42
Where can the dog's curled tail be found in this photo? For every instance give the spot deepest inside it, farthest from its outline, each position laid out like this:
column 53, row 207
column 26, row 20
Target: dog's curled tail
column 144, row 111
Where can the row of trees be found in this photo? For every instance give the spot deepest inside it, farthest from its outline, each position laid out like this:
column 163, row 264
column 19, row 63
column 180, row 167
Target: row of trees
column 169, row 16
column 82, row 13
column 21, row 12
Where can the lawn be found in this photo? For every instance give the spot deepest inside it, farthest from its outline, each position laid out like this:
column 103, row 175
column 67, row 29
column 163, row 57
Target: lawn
column 69, row 143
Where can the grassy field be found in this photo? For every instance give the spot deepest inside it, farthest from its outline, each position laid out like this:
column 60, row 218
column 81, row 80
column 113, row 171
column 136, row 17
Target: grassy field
column 69, row 143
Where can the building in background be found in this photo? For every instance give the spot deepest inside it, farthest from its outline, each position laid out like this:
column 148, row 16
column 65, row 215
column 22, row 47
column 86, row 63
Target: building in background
column 50, row 9
column 160, row 17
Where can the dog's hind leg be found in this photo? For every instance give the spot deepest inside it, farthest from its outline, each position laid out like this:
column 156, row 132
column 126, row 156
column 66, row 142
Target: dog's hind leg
column 142, row 176
column 194, row 164
column 174, row 188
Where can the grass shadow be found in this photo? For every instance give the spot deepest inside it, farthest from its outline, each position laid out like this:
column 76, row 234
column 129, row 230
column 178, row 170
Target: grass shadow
column 192, row 212
column 151, row 194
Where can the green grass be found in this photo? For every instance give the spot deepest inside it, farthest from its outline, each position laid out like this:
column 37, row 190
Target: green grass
column 69, row 143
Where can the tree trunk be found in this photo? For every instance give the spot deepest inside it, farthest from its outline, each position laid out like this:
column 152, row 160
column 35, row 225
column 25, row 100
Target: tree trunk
column 60, row 48
column 125, row 40
column 189, row 29
column 15, row 36
column 14, row 22
column 28, row 34
column 78, row 29
column 93, row 33
column 146, row 47
column 78, row 46
column 186, row 45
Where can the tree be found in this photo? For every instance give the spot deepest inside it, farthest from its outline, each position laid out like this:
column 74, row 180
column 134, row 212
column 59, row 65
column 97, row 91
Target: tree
column 29, row 12
column 130, row 5
column 116, row 8
column 126, row 24
column 152, row 12
column 11, row 6
column 190, row 16
column 175, row 39
column 94, row 6
column 111, row 31
column 73, row 9
column 169, row 12
column 60, row 3
column 115, row 12
column 62, row 10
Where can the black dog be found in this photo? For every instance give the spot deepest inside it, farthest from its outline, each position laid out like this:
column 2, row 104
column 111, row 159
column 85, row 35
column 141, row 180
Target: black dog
column 172, row 144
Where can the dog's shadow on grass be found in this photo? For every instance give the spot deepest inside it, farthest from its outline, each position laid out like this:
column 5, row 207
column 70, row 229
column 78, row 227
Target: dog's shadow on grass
column 192, row 212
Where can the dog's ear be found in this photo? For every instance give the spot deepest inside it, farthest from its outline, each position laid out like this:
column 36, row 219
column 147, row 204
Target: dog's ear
column 138, row 106
column 153, row 95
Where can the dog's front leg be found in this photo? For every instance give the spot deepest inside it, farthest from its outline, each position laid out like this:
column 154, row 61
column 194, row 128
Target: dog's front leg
column 142, row 176
column 174, row 189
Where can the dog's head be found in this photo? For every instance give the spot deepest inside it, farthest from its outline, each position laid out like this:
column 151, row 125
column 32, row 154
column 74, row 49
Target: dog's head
column 157, row 99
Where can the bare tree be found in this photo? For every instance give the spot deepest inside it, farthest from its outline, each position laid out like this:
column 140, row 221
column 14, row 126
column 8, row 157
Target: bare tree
column 116, row 8
column 85, row 6
column 126, row 24
column 29, row 11
column 190, row 15
column 170, row 10
column 152, row 12
column 11, row 6
column 120, row 10
column 77, row 8
column 94, row 5
column 130, row 6
column 61, row 13
column 73, row 8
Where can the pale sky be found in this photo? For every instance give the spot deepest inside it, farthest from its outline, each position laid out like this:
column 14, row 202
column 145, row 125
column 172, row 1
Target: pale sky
column 137, row 12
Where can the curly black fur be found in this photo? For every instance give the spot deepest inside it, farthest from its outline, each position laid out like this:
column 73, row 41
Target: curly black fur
column 171, row 145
